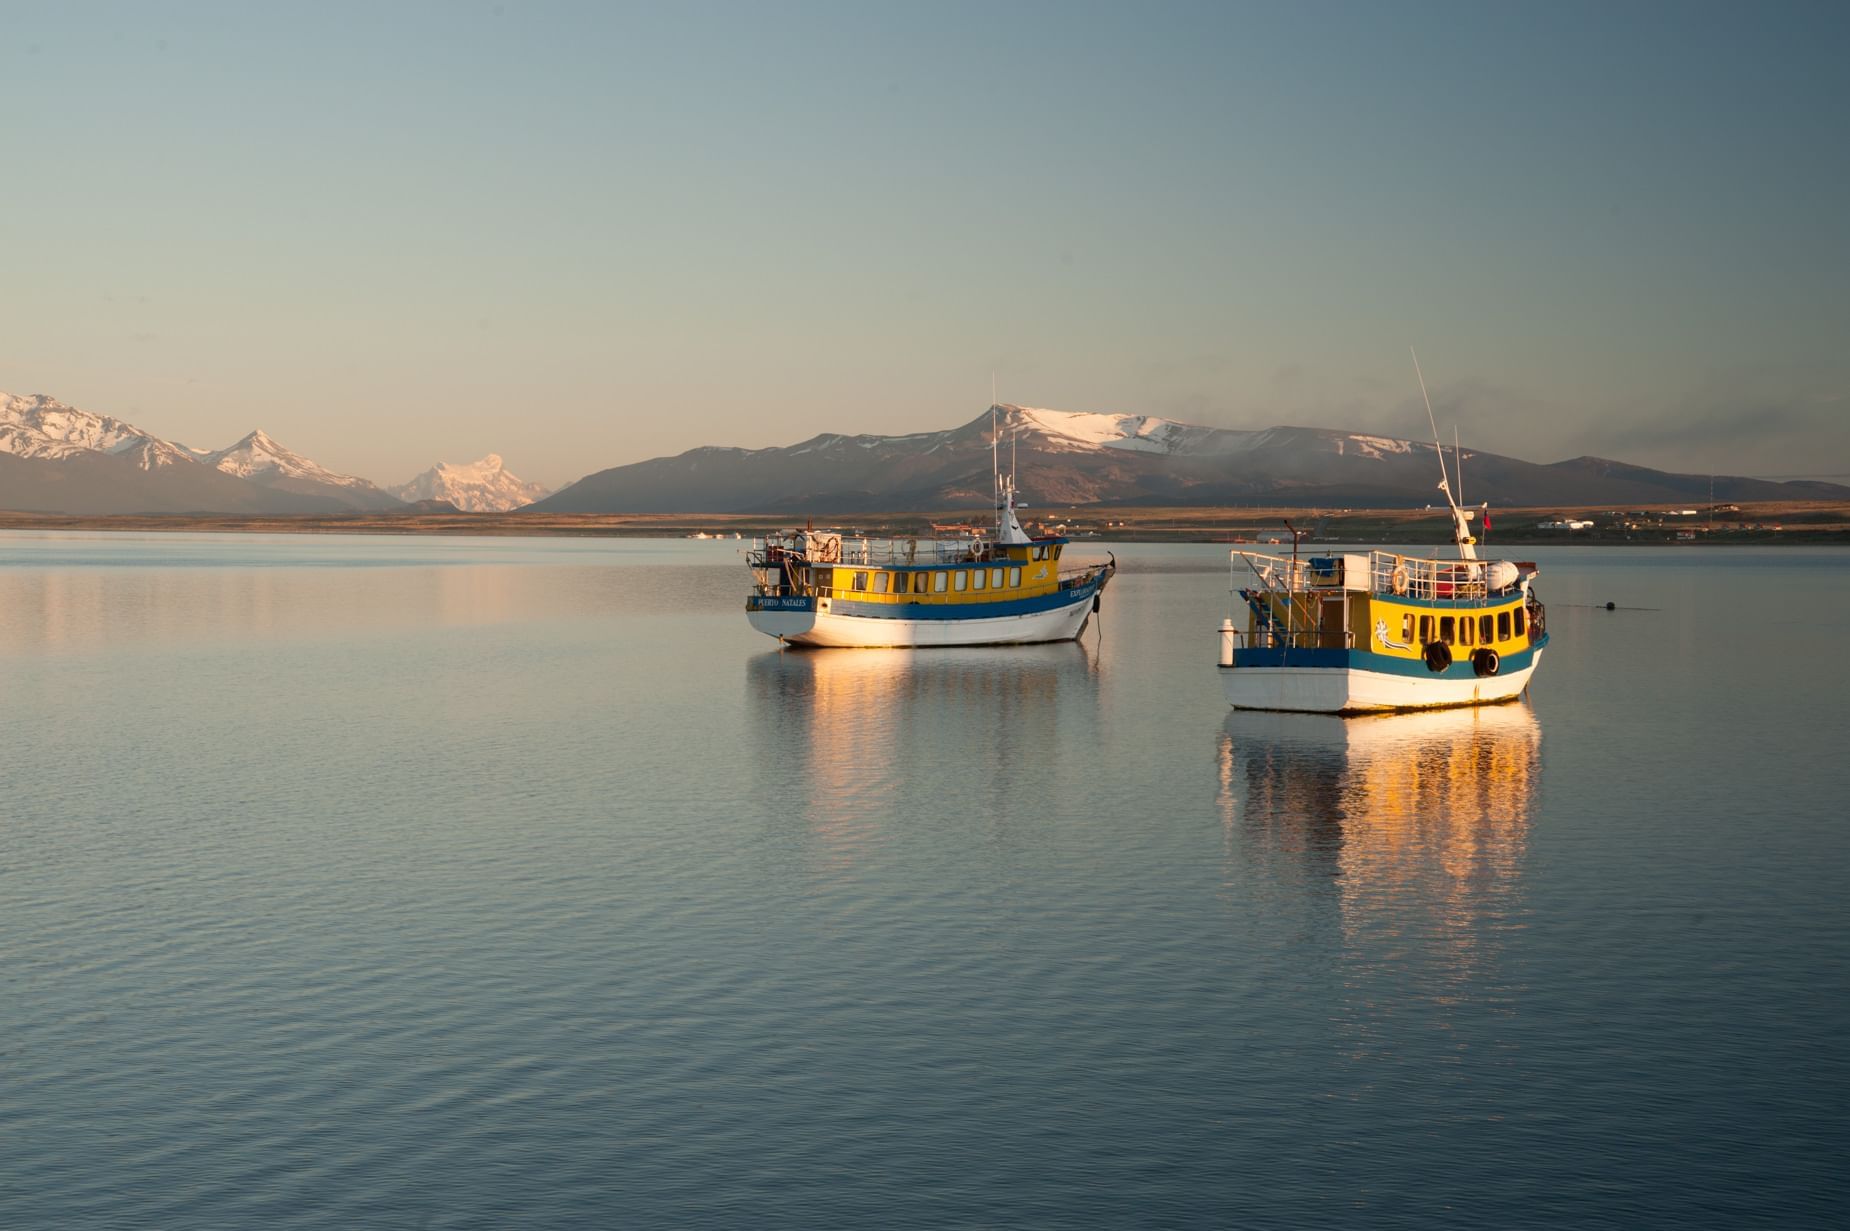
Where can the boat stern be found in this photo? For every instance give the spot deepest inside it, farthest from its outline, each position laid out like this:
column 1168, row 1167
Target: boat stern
column 788, row 617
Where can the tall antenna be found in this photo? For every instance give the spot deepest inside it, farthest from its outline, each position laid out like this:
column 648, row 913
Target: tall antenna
column 1461, row 531
column 995, row 455
column 1444, row 484
column 1014, row 431
column 1458, row 464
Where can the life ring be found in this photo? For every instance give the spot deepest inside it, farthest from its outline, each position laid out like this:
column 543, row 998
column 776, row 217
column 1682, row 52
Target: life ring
column 1438, row 656
column 1486, row 662
column 1398, row 581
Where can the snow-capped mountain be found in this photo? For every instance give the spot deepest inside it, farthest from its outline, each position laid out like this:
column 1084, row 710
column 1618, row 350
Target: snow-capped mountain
column 1079, row 431
column 74, row 461
column 261, row 460
column 1078, row 458
column 484, row 486
column 37, row 426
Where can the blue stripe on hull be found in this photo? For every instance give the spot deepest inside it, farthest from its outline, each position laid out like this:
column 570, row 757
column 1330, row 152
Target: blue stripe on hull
column 1386, row 664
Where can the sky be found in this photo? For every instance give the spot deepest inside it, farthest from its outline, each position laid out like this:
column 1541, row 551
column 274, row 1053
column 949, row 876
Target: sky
column 581, row 235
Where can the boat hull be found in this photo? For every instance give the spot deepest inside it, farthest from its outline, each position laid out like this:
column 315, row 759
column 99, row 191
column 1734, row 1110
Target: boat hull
column 816, row 625
column 1345, row 682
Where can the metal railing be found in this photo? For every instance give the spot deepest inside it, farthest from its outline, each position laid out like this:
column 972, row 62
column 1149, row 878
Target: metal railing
column 1293, row 639
column 1386, row 573
column 1415, row 577
column 871, row 552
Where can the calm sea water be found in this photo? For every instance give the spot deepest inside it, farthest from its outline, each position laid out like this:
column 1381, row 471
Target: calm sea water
column 395, row 882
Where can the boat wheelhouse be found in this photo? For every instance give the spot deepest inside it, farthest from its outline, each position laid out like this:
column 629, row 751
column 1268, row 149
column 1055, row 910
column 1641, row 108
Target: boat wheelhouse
column 819, row 588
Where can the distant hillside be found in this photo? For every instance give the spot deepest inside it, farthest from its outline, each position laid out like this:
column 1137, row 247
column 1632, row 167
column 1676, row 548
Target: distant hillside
column 1072, row 458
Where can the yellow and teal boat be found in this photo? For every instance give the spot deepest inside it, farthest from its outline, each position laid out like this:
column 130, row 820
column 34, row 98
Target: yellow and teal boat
column 1365, row 633
column 821, row 588
column 1354, row 634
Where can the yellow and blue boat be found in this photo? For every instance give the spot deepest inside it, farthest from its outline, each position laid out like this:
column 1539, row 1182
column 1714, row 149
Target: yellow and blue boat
column 1366, row 633
column 1356, row 634
column 819, row 588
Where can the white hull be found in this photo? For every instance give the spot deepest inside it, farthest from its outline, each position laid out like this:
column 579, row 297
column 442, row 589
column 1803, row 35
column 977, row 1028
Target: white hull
column 822, row 628
column 1339, row 690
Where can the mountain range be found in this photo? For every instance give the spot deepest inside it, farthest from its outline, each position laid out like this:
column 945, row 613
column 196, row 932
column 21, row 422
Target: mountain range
column 1065, row 458
column 483, row 486
column 55, row 458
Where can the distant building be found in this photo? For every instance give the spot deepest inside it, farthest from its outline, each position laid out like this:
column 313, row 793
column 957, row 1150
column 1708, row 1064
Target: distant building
column 1565, row 523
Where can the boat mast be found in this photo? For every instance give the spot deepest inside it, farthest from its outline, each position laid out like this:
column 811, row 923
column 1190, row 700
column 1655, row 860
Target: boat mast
column 995, row 445
column 1008, row 529
column 1458, row 464
column 1461, row 529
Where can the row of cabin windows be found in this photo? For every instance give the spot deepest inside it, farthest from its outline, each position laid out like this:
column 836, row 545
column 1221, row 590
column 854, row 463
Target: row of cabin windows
column 936, row 583
column 1464, row 630
column 1045, row 552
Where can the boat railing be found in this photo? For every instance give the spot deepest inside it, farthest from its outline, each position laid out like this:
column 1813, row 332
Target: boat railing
column 874, row 552
column 1263, row 638
column 1380, row 572
column 1417, row 577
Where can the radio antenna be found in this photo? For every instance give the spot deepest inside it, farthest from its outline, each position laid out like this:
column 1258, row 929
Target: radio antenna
column 1458, row 464
column 1444, row 485
column 1461, row 532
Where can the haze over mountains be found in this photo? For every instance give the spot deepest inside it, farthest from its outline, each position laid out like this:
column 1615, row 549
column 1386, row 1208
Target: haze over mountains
column 55, row 458
column 1075, row 458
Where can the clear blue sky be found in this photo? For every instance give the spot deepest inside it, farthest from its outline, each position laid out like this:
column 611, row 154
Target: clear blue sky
column 581, row 235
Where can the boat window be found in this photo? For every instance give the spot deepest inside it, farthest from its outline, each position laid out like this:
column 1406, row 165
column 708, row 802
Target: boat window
column 1484, row 628
column 860, row 581
column 1039, row 553
column 1467, row 630
column 963, row 580
column 879, row 583
column 1503, row 626
column 1406, row 627
column 1425, row 629
column 980, row 577
column 1518, row 614
column 995, row 578
column 921, row 582
column 940, row 582
column 1015, row 576
column 1055, row 549
column 1445, row 629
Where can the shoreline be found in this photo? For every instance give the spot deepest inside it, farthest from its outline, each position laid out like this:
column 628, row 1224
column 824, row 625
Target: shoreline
column 1756, row 524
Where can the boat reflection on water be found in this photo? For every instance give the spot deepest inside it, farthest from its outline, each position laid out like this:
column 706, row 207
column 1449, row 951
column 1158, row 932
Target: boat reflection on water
column 1420, row 821
column 862, row 742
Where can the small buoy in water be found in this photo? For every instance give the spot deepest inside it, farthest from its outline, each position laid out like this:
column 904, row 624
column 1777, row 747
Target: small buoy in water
column 1612, row 606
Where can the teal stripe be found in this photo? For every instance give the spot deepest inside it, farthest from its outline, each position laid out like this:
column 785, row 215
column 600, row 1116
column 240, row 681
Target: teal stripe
column 1367, row 660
